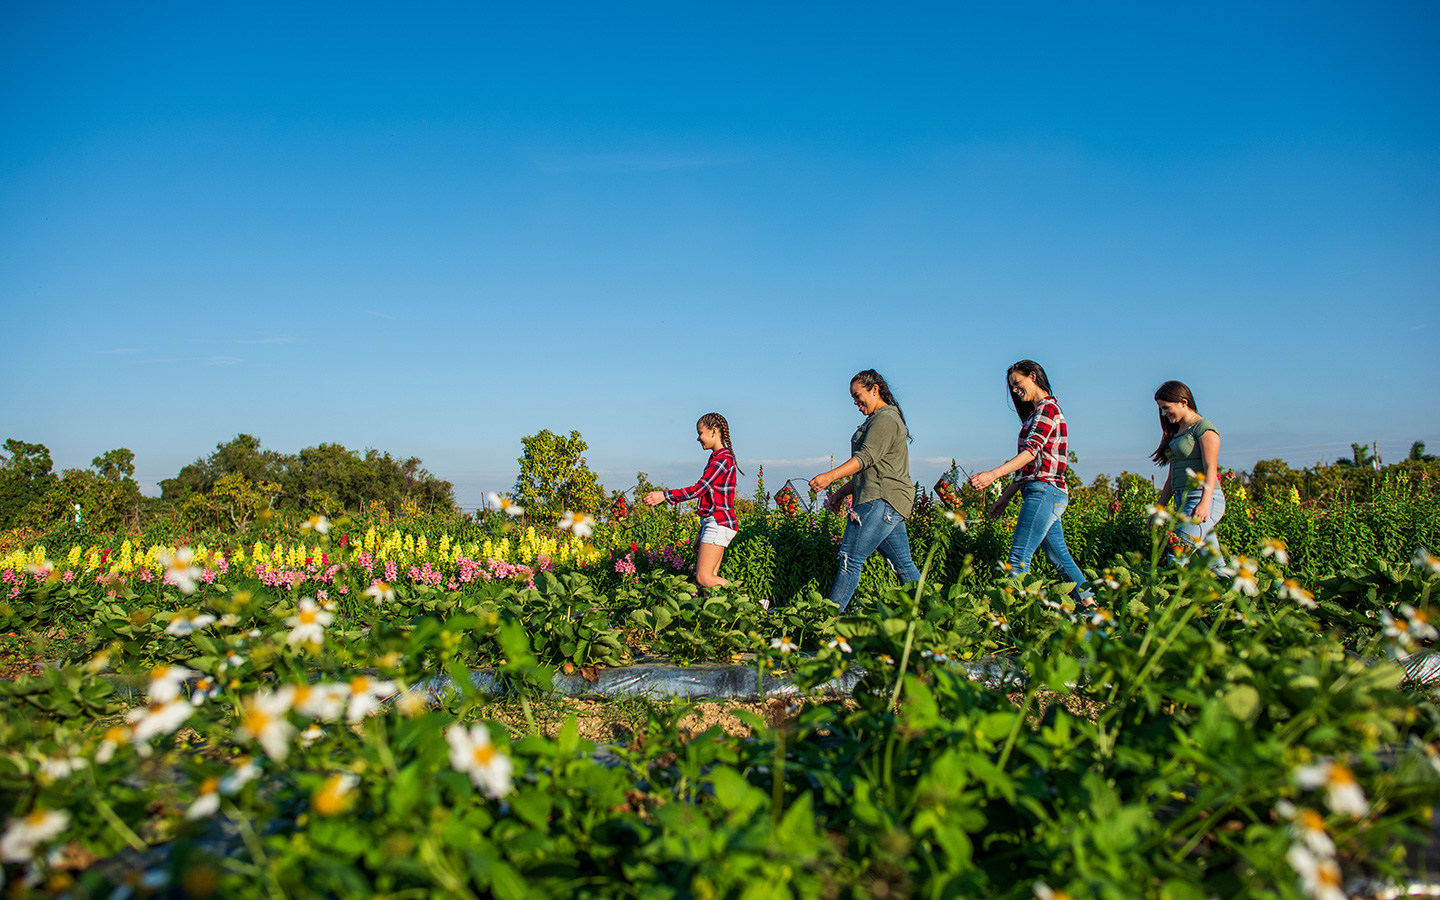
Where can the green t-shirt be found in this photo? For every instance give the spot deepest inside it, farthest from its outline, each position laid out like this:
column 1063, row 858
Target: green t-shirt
column 879, row 444
column 1185, row 455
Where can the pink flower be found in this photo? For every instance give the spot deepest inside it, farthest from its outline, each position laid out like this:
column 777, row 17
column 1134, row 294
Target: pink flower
column 68, row 577
column 392, row 571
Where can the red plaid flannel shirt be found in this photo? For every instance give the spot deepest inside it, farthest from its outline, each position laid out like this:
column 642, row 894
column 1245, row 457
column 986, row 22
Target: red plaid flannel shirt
column 1044, row 435
column 715, row 489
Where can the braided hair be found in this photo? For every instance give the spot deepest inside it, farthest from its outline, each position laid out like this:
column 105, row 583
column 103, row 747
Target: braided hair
column 715, row 420
column 871, row 378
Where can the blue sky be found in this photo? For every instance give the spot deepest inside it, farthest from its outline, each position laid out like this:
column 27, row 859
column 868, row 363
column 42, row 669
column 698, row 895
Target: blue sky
column 435, row 228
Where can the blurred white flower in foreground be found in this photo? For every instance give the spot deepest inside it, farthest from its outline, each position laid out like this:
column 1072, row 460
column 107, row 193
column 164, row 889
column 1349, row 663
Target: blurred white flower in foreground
column 18, row 843
column 1319, row 878
column 504, row 504
column 580, row 524
column 262, row 719
column 307, row 626
column 1342, row 792
column 180, row 569
column 365, row 696
column 472, row 752
column 185, row 623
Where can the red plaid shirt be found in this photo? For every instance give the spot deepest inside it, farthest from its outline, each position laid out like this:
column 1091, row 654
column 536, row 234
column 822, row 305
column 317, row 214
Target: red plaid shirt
column 1044, row 435
column 715, row 489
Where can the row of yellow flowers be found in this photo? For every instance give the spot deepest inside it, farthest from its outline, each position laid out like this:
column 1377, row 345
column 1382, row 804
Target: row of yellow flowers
column 392, row 546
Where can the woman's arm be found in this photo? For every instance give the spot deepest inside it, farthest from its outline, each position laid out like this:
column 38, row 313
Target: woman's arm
column 982, row 480
column 998, row 507
column 822, row 481
column 1210, row 452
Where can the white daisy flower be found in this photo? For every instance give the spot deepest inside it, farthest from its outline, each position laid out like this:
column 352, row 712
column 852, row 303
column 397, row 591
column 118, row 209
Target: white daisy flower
column 1424, row 559
column 1319, row 878
column 180, row 569
column 262, row 719
column 114, row 736
column 957, row 519
column 1343, row 793
column 1290, row 589
column 472, row 752
column 381, row 591
column 580, row 524
column 1157, row 515
column 504, row 504
column 54, row 768
column 334, row 798
column 207, row 803
column 1276, row 548
column 167, row 681
column 840, row 644
column 243, row 772
column 23, row 835
column 1044, row 891
column 1419, row 623
column 1308, row 826
column 320, row 701
column 308, row 624
column 184, row 623
column 157, row 719
column 784, row 644
column 365, row 696
column 317, row 524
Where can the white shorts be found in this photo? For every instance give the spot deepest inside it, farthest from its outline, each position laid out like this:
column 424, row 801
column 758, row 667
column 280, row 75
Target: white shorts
column 712, row 532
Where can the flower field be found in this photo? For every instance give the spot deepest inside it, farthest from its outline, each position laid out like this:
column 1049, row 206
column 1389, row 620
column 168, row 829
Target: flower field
column 248, row 716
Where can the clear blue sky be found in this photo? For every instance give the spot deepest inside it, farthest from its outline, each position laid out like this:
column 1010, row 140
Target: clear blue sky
column 434, row 228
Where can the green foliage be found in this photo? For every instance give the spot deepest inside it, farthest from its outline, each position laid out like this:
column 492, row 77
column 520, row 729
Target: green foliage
column 554, row 477
column 25, row 477
column 326, row 479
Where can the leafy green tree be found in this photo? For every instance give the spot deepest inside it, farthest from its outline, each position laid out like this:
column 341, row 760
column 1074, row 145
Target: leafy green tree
column 233, row 502
column 554, row 477
column 239, row 456
column 25, row 478
column 1418, row 454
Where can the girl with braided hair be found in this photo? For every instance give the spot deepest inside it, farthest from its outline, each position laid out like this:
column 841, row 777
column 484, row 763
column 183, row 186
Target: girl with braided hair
column 716, row 494
column 883, row 492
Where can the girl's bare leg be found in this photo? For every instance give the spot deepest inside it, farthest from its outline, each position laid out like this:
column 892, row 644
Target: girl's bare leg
column 707, row 565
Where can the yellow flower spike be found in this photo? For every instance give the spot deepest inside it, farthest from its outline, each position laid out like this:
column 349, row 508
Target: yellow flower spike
column 73, row 559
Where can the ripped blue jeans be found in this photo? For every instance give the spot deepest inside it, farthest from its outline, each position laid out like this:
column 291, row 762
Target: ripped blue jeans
column 873, row 525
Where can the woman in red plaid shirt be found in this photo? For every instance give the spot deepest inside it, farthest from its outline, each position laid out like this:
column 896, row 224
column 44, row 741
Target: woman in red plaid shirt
column 1040, row 459
column 716, row 494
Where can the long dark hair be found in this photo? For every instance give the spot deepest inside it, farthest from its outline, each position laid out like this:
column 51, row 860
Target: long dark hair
column 871, row 378
column 1033, row 370
column 1170, row 392
column 715, row 420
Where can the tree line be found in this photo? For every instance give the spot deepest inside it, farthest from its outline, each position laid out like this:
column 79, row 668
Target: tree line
column 225, row 490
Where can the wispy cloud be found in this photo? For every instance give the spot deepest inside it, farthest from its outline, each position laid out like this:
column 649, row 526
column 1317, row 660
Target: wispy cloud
column 221, row 360
column 121, row 350
column 1418, row 327
column 279, row 339
column 383, row 316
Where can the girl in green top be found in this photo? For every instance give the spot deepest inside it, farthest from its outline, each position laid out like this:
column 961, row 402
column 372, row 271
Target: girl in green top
column 1191, row 445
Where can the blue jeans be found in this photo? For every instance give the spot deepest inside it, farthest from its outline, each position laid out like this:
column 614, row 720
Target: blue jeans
column 873, row 525
column 1203, row 533
column 1039, row 526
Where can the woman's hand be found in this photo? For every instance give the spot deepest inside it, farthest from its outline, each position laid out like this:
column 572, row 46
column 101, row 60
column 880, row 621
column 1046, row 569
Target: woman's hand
column 834, row 502
column 654, row 498
column 821, row 482
column 982, row 480
column 1202, row 511
column 997, row 509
